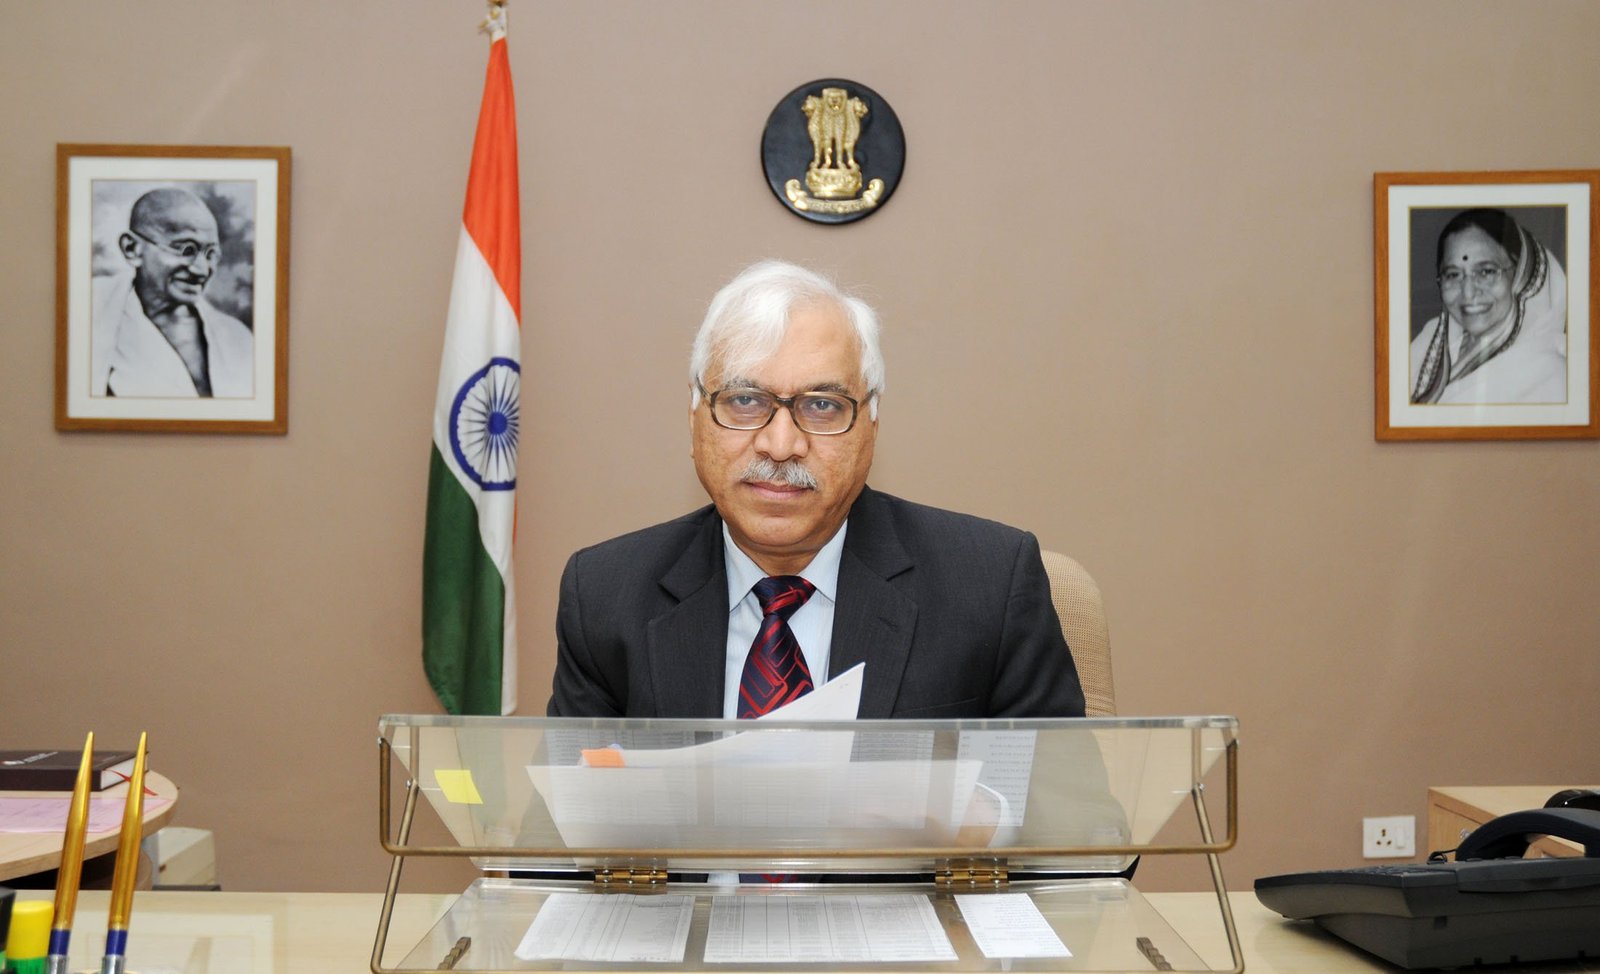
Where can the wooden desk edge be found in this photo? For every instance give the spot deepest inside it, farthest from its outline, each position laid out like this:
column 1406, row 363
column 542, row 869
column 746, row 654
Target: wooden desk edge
column 95, row 844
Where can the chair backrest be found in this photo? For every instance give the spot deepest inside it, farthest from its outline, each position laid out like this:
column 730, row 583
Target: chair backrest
column 1083, row 623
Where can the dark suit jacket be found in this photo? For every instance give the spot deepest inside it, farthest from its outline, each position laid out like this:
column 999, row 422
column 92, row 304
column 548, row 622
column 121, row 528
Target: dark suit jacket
column 951, row 614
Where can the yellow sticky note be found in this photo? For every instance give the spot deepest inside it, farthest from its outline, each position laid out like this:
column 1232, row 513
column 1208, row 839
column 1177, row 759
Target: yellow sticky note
column 458, row 787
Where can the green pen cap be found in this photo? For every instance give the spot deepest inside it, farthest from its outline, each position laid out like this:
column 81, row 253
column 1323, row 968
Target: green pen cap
column 7, row 897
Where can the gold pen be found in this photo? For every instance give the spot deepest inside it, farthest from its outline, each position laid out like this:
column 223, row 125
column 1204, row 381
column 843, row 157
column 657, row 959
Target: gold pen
column 71, row 871
column 127, row 869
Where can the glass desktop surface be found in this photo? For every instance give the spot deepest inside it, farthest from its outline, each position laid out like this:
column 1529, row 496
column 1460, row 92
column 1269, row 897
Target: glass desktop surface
column 1101, row 921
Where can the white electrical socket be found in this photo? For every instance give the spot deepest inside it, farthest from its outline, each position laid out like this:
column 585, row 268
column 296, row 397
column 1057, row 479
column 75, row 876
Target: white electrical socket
column 1389, row 837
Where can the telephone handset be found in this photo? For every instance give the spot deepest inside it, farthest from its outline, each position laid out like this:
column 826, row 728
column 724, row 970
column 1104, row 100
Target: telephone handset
column 1509, row 836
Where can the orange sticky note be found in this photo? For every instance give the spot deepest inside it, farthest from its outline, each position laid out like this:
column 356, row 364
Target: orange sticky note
column 603, row 757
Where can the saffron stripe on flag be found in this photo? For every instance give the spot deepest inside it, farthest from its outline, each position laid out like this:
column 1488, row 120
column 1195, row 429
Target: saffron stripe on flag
column 492, row 214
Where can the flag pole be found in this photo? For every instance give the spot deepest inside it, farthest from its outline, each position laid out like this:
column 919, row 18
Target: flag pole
column 469, row 643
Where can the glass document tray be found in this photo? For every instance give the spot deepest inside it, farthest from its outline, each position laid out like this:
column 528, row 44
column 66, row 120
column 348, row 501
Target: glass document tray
column 930, row 811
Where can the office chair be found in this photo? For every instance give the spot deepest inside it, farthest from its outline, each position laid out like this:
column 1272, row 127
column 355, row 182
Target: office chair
column 1083, row 623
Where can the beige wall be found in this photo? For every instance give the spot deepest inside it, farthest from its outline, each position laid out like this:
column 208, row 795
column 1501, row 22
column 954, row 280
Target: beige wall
column 1127, row 289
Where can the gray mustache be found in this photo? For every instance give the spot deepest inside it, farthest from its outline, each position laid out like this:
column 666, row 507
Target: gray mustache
column 790, row 473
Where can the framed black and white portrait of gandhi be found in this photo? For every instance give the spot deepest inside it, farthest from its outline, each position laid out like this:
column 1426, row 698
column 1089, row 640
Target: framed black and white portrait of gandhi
column 1484, row 289
column 172, row 288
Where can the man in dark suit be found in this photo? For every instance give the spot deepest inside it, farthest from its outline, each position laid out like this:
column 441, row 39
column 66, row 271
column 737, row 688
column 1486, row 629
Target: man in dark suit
column 697, row 617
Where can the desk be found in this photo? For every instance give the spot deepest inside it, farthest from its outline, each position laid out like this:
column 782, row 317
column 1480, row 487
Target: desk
column 25, row 853
column 332, row 933
column 1455, row 811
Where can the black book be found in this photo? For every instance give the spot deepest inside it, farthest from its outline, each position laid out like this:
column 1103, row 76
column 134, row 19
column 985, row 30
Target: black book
column 58, row 770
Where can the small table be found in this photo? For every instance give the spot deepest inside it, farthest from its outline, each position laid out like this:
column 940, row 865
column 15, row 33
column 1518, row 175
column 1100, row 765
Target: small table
column 1454, row 812
column 26, row 853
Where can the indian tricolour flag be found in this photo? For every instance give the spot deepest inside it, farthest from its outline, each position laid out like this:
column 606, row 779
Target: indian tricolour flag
column 469, row 632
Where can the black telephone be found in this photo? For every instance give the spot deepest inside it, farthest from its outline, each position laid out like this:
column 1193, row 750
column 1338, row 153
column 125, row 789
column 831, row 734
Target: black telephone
column 1488, row 906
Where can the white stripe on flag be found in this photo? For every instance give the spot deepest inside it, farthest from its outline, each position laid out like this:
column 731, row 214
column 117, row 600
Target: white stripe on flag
column 479, row 327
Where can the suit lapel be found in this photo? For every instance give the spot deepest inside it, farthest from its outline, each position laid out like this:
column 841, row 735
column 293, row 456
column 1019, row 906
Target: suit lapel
column 688, row 643
column 873, row 621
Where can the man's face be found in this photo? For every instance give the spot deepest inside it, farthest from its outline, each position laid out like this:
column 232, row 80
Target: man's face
column 781, row 526
column 1470, row 256
column 155, row 246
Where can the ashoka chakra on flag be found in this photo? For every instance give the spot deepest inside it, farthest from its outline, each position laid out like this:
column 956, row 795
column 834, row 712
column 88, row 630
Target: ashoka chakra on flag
column 484, row 420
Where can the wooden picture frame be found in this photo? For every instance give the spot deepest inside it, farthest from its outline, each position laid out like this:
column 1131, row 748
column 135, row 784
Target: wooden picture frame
column 172, row 288
column 1483, row 322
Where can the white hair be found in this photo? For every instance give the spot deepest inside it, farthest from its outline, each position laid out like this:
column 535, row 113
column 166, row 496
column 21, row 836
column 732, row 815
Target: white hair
column 747, row 320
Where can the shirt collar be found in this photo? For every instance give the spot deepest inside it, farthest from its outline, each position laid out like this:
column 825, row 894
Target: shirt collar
column 744, row 573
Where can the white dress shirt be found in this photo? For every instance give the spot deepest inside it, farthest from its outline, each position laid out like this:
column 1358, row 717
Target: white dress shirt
column 812, row 623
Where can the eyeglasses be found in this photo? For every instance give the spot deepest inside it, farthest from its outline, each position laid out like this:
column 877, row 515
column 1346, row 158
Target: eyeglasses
column 821, row 413
column 1483, row 275
column 187, row 249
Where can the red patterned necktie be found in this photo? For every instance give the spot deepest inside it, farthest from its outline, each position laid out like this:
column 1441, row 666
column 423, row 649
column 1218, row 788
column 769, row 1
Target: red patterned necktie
column 775, row 672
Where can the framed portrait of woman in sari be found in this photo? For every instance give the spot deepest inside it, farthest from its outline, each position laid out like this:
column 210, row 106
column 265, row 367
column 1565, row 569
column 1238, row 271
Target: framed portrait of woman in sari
column 1484, row 285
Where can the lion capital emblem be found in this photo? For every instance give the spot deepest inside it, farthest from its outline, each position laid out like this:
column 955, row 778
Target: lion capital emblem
column 833, row 120
column 857, row 150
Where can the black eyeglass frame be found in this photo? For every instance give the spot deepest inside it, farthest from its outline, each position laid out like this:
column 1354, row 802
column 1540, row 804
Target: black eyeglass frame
column 787, row 403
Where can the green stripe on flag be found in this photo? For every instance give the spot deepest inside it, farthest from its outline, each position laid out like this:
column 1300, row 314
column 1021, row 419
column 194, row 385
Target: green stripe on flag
column 463, row 601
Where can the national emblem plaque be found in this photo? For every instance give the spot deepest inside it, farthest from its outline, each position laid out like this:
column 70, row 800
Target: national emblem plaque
column 833, row 151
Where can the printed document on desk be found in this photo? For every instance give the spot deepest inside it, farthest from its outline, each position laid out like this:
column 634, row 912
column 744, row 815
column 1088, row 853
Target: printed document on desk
column 1006, row 925
column 637, row 797
column 879, row 928
column 617, row 928
column 749, row 787
column 749, row 929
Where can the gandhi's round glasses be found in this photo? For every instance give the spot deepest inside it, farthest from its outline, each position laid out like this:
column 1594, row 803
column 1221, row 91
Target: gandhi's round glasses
column 821, row 413
column 187, row 249
column 1484, row 275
